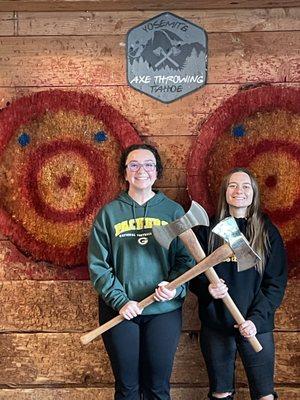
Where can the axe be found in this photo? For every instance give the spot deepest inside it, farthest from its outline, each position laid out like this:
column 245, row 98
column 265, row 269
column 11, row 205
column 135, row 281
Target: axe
column 236, row 244
column 195, row 216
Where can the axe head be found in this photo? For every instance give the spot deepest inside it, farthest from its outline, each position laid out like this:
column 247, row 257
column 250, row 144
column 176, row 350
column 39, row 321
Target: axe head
column 166, row 233
column 245, row 255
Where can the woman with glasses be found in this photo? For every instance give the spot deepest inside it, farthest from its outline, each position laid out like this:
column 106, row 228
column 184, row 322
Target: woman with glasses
column 257, row 292
column 126, row 265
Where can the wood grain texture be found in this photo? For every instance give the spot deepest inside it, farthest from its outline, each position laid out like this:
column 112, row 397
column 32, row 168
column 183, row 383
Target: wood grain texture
column 135, row 5
column 149, row 117
column 47, row 306
column 60, row 306
column 174, row 152
column 189, row 393
column 53, row 359
column 288, row 315
column 180, row 195
column 87, row 60
column 117, row 23
column 39, row 359
column 43, row 310
column 7, row 23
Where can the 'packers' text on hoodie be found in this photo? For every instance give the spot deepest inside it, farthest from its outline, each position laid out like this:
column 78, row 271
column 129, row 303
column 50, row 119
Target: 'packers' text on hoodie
column 125, row 261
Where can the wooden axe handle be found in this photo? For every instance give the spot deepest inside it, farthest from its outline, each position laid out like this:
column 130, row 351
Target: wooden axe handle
column 212, row 276
column 215, row 258
column 192, row 244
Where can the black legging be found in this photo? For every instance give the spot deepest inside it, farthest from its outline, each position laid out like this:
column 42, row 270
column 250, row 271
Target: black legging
column 219, row 350
column 141, row 353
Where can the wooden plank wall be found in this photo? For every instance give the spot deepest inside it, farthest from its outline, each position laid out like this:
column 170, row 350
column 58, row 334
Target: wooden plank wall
column 42, row 319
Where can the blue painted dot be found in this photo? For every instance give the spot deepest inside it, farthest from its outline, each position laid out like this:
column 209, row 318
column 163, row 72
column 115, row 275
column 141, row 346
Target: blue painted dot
column 24, row 139
column 100, row 136
column 239, row 131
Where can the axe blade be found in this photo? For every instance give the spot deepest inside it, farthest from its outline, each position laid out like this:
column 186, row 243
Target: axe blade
column 245, row 255
column 166, row 233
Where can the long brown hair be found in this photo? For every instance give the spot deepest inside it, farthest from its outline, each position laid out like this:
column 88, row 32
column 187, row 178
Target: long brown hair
column 256, row 231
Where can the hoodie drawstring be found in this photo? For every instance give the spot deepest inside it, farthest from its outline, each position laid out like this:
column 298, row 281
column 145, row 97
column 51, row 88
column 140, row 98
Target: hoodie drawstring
column 134, row 214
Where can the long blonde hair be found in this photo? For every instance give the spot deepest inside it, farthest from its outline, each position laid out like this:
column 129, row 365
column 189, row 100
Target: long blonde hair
column 256, row 231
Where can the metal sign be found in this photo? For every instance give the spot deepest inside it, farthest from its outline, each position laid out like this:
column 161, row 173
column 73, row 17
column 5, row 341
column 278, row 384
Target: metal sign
column 166, row 57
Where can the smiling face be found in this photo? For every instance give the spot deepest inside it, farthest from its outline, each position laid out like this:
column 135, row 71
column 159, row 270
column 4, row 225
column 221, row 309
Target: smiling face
column 239, row 194
column 140, row 180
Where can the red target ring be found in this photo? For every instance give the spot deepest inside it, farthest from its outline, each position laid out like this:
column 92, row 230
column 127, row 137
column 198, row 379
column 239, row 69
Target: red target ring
column 96, row 165
column 266, row 123
column 59, row 165
column 281, row 214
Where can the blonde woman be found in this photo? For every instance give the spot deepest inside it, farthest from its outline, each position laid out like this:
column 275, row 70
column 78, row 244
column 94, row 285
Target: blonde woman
column 258, row 292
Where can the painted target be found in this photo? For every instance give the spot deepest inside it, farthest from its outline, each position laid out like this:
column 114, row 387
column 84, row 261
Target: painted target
column 59, row 165
column 258, row 129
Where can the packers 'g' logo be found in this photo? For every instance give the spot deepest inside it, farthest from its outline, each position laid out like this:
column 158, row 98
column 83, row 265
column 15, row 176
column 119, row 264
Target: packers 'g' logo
column 142, row 241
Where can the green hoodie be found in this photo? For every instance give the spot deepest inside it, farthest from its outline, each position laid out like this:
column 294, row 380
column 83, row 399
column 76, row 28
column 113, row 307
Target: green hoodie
column 125, row 261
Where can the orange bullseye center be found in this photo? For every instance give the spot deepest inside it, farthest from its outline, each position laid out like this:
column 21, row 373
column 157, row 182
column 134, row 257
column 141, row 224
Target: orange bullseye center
column 64, row 181
column 271, row 181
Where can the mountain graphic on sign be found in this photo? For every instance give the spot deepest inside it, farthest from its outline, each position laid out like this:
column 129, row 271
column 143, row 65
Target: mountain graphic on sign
column 164, row 49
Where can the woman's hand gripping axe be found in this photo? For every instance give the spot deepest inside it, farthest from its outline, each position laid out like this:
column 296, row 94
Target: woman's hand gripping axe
column 236, row 244
column 181, row 227
column 195, row 216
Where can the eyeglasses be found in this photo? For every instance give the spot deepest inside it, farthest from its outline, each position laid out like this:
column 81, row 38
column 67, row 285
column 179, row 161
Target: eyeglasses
column 148, row 166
